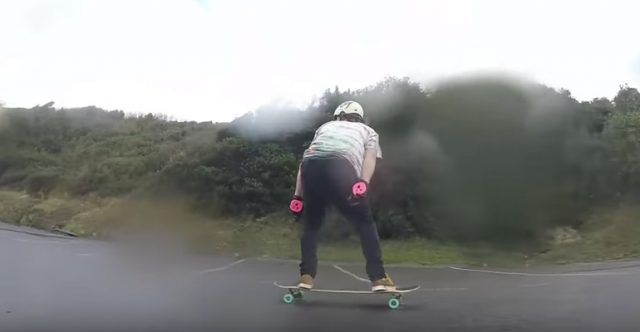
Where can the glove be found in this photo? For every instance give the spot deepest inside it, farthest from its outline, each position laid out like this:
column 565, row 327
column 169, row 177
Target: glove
column 360, row 188
column 296, row 206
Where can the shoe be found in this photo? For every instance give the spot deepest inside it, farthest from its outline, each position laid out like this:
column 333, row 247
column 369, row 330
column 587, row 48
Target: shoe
column 383, row 285
column 306, row 281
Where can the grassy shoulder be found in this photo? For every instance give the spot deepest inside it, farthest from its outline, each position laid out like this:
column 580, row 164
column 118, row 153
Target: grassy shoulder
column 609, row 234
column 275, row 238
column 50, row 214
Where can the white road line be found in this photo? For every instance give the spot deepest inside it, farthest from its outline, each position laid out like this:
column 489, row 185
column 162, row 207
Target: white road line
column 45, row 241
column 84, row 254
column 534, row 285
column 587, row 274
column 224, row 267
column 351, row 274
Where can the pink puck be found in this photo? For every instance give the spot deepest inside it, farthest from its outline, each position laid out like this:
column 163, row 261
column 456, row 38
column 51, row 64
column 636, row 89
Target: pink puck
column 359, row 189
column 295, row 206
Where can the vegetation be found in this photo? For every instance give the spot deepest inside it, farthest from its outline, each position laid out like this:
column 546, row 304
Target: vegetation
column 484, row 161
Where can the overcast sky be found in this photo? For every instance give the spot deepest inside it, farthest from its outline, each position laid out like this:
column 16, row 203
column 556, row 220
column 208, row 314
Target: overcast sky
column 214, row 60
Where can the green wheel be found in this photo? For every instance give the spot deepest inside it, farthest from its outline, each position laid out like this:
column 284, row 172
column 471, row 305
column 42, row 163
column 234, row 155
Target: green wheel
column 394, row 303
column 288, row 298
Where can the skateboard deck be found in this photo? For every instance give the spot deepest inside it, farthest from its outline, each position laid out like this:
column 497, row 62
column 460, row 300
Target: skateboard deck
column 295, row 292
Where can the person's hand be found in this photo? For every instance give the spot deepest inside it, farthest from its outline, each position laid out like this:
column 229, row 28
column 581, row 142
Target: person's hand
column 296, row 206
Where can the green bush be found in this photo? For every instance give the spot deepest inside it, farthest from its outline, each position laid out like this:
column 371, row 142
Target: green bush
column 239, row 177
column 484, row 160
column 41, row 183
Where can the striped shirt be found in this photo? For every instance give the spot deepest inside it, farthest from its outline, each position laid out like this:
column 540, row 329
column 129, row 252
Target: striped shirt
column 344, row 139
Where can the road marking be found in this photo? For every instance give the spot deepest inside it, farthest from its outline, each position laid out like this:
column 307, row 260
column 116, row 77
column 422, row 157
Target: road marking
column 349, row 273
column 84, row 254
column 224, row 267
column 45, row 241
column 534, row 285
column 587, row 274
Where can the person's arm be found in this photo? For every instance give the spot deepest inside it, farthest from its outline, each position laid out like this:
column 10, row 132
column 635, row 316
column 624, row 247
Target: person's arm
column 371, row 153
column 296, row 206
column 299, row 190
column 369, row 164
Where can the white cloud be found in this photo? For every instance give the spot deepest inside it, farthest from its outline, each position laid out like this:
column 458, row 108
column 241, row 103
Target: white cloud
column 213, row 60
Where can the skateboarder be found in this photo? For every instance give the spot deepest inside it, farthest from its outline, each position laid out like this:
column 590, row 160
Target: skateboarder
column 336, row 169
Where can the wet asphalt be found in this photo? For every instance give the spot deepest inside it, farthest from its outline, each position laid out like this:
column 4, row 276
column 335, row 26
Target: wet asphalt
column 57, row 283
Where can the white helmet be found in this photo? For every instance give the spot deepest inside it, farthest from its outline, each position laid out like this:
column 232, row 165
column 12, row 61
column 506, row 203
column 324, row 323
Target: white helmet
column 349, row 107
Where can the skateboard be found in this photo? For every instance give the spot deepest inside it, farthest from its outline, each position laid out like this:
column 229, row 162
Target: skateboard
column 295, row 292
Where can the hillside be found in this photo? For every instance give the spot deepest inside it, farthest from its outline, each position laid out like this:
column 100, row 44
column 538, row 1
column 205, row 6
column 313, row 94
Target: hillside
column 469, row 163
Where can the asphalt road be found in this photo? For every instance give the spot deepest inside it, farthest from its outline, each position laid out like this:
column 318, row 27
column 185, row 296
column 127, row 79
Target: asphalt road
column 64, row 284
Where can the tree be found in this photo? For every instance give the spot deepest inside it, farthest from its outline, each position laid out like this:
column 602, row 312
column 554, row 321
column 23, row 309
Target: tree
column 622, row 138
column 471, row 160
column 627, row 100
column 597, row 113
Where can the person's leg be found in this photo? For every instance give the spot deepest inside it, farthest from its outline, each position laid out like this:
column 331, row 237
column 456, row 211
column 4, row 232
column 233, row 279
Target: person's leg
column 358, row 212
column 360, row 216
column 314, row 210
column 314, row 215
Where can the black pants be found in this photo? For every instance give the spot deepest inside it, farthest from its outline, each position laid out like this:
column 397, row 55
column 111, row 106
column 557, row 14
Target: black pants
column 329, row 181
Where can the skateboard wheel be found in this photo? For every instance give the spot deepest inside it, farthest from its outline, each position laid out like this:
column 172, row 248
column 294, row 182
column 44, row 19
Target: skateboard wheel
column 288, row 298
column 394, row 303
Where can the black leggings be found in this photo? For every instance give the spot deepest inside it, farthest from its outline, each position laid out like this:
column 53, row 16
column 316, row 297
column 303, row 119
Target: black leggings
column 328, row 181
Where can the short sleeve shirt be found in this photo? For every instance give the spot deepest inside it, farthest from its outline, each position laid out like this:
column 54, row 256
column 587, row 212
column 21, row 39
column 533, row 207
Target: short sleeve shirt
column 344, row 139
